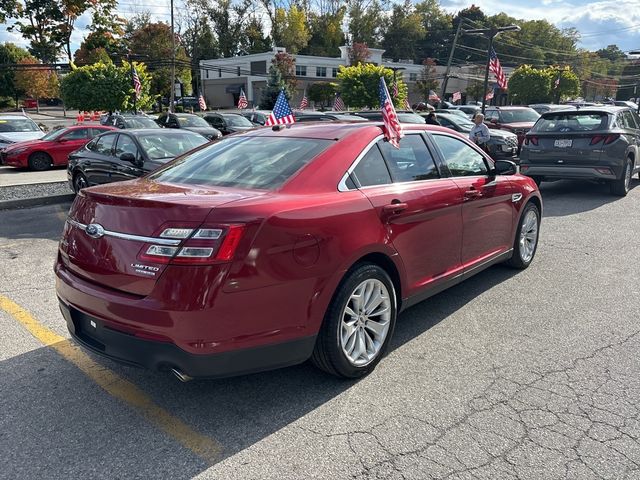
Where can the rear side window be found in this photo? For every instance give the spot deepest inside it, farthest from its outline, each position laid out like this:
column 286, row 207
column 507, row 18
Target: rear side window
column 104, row 144
column 244, row 162
column 411, row 162
column 628, row 121
column 571, row 122
column 461, row 159
column 372, row 170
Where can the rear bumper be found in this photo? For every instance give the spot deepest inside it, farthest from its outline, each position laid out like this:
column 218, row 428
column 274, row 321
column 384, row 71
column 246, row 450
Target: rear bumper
column 93, row 334
column 570, row 172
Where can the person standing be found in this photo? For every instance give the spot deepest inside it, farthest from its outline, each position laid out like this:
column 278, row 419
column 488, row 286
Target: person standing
column 479, row 134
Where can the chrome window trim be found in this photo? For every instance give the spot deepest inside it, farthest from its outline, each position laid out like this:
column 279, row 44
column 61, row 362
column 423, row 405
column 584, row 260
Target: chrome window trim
column 128, row 236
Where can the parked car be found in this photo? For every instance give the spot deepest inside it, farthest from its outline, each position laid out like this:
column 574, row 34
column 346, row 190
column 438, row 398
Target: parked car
column 18, row 128
column 449, row 111
column 469, row 110
column 518, row 120
column 601, row 143
column 259, row 117
column 188, row 103
column 547, row 107
column 403, row 116
column 278, row 245
column 127, row 154
column 51, row 150
column 189, row 121
column 626, row 103
column 228, row 123
column 502, row 144
column 125, row 120
column 30, row 103
column 311, row 116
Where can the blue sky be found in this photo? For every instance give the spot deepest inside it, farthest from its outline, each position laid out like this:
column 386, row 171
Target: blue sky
column 602, row 22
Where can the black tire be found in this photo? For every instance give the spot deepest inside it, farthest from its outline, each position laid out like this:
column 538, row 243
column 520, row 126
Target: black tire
column 79, row 182
column 519, row 259
column 39, row 161
column 328, row 354
column 621, row 186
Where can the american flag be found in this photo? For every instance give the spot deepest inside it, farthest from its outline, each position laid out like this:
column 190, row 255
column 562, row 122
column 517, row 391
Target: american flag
column 407, row 105
column 201, row 103
column 304, row 103
column 433, row 96
column 242, row 100
column 494, row 66
column 395, row 90
column 281, row 113
column 392, row 127
column 457, row 96
column 137, row 86
column 489, row 95
column 338, row 104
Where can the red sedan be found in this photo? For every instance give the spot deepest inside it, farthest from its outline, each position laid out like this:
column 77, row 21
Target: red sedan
column 51, row 150
column 268, row 248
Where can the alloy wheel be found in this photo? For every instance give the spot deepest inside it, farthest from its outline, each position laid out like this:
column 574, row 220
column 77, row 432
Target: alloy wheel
column 365, row 322
column 528, row 236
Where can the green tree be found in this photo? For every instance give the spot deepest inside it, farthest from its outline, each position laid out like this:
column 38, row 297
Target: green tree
column 104, row 86
column 631, row 84
column 326, row 34
column 365, row 21
column 291, row 29
column 228, row 19
column 95, row 46
column 255, row 39
column 402, row 31
column 286, row 65
column 428, row 80
column 530, row 85
column 438, row 26
column 359, row 85
column 275, row 84
column 10, row 53
column 569, row 85
column 322, row 93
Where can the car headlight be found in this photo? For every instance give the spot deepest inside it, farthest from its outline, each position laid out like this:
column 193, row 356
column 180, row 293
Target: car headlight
column 16, row 151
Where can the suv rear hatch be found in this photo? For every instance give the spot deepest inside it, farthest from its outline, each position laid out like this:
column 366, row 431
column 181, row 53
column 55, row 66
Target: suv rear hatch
column 110, row 229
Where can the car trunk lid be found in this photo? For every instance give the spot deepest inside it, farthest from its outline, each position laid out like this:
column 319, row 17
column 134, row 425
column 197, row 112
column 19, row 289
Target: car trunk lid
column 568, row 148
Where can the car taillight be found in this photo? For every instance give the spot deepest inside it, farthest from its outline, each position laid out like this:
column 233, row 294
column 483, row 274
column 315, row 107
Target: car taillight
column 611, row 138
column 205, row 245
column 596, row 139
column 533, row 140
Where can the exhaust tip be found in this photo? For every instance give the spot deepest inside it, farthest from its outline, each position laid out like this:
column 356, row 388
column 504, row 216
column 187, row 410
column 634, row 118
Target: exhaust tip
column 183, row 377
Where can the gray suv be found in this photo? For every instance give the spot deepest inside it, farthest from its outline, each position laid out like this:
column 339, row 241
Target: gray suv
column 601, row 143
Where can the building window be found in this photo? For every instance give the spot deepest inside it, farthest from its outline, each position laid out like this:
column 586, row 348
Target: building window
column 334, row 72
column 301, row 70
column 321, row 71
column 413, row 77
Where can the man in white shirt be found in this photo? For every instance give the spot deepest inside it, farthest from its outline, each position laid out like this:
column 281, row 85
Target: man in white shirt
column 479, row 134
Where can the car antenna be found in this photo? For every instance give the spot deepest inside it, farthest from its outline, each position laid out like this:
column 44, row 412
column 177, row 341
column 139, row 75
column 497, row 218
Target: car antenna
column 277, row 128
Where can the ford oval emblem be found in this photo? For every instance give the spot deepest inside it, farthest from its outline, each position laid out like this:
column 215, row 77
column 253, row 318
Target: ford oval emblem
column 94, row 230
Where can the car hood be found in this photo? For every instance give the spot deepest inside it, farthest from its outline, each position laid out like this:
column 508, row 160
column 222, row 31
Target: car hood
column 12, row 137
column 501, row 133
column 25, row 143
column 515, row 125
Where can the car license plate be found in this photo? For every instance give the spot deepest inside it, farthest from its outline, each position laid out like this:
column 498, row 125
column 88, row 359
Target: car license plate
column 562, row 143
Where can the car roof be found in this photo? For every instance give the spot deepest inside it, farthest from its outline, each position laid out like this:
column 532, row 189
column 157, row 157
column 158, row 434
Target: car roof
column 508, row 107
column 591, row 109
column 15, row 117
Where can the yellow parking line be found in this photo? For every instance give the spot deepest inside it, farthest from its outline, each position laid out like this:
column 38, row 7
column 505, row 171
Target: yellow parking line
column 206, row 448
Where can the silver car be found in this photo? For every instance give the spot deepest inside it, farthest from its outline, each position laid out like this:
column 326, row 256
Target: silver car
column 601, row 143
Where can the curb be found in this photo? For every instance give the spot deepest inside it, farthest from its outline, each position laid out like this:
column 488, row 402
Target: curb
column 36, row 201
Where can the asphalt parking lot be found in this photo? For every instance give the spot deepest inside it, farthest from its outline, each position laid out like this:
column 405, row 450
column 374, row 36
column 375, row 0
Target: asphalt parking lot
column 529, row 375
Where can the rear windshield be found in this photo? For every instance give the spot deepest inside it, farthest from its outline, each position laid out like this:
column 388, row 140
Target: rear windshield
column 245, row 162
column 141, row 122
column 160, row 145
column 237, row 121
column 192, row 121
column 571, row 122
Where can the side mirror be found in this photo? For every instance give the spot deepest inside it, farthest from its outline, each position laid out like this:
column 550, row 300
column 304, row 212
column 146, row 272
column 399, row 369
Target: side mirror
column 130, row 157
column 505, row 167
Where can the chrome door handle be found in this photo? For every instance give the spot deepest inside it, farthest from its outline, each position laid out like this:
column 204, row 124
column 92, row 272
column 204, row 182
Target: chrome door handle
column 395, row 207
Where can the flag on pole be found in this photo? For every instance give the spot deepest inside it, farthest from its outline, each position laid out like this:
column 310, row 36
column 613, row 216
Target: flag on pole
column 395, row 89
column 304, row 103
column 489, row 95
column 393, row 129
column 433, row 96
column 338, row 104
column 242, row 100
column 496, row 68
column 457, row 96
column 137, row 86
column 281, row 114
column 201, row 103
column 407, row 105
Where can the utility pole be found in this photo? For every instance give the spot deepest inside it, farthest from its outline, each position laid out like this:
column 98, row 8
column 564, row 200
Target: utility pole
column 453, row 47
column 636, row 52
column 490, row 33
column 173, row 65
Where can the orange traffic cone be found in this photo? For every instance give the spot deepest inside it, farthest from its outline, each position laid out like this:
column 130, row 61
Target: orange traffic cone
column 79, row 118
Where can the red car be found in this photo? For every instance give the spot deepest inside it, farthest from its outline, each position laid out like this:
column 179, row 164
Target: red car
column 268, row 248
column 518, row 120
column 51, row 150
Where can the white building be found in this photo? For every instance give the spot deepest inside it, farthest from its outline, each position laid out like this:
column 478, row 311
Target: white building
column 223, row 78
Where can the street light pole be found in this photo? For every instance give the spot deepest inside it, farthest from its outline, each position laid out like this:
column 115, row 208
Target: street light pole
column 490, row 33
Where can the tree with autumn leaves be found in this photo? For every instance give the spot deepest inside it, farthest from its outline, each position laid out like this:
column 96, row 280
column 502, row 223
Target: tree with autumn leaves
column 35, row 80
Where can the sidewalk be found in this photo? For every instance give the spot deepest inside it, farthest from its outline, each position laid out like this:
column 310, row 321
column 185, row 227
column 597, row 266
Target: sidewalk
column 10, row 176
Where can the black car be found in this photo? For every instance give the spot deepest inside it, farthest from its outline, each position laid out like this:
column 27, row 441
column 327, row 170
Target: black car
column 592, row 143
column 189, row 121
column 502, row 144
column 228, row 123
column 127, row 154
column 311, row 116
column 123, row 120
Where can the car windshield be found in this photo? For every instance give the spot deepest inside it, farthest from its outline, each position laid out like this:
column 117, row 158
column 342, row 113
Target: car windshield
column 237, row 121
column 161, row 145
column 244, row 162
column 52, row 135
column 141, row 122
column 17, row 125
column 571, row 122
column 520, row 115
column 464, row 124
column 192, row 121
